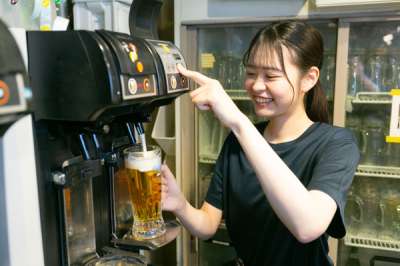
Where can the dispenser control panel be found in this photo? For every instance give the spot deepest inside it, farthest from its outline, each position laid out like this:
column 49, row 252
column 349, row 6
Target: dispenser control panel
column 139, row 86
column 137, row 69
column 170, row 56
column 11, row 97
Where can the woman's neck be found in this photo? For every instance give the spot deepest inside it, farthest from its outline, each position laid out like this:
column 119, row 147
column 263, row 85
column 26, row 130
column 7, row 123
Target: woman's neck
column 284, row 129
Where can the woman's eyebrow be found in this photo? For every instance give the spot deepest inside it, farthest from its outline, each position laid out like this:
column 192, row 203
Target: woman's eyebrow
column 268, row 68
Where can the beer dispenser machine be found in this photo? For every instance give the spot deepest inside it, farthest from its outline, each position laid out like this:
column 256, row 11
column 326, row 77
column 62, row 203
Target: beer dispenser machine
column 19, row 207
column 92, row 90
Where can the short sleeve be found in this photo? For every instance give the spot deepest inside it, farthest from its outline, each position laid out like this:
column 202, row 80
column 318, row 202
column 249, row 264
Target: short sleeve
column 215, row 190
column 333, row 174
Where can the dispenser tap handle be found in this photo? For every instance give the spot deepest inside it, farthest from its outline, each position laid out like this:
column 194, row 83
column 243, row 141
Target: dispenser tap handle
column 96, row 144
column 139, row 127
column 131, row 133
column 84, row 148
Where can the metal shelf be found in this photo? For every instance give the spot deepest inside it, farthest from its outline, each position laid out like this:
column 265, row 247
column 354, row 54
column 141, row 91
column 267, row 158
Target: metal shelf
column 365, row 242
column 238, row 95
column 378, row 171
column 241, row 95
column 371, row 98
column 208, row 158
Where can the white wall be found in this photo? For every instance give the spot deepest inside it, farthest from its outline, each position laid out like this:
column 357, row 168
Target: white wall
column 192, row 10
column 214, row 10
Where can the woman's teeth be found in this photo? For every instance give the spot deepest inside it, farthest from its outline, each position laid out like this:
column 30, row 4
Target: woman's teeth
column 262, row 100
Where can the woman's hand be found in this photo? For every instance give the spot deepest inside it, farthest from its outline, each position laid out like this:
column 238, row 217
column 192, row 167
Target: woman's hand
column 211, row 95
column 172, row 198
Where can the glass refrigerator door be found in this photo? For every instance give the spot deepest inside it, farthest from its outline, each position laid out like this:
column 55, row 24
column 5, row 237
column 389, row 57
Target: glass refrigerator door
column 220, row 51
column 373, row 208
column 328, row 30
column 220, row 57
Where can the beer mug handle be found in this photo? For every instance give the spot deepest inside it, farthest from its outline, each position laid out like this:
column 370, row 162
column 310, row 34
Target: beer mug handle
column 363, row 144
column 381, row 222
column 359, row 203
column 398, row 212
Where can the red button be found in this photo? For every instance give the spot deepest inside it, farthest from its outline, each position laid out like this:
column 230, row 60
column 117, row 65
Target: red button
column 4, row 93
column 146, row 84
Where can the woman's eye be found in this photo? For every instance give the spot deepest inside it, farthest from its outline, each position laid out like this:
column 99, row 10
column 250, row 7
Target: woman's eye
column 250, row 74
column 271, row 76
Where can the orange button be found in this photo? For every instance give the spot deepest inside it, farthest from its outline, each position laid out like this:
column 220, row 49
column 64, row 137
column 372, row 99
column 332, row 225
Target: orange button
column 139, row 67
column 4, row 93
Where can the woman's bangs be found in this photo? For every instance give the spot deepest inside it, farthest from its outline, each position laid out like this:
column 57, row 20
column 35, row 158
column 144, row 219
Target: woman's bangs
column 264, row 54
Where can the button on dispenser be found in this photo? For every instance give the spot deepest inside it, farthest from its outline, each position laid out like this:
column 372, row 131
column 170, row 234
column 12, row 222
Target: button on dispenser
column 132, row 86
column 4, row 93
column 146, row 85
column 133, row 56
column 173, row 82
column 183, row 82
column 139, row 67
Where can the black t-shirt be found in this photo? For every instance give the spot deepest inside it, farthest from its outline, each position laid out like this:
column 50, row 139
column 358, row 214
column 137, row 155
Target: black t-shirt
column 324, row 158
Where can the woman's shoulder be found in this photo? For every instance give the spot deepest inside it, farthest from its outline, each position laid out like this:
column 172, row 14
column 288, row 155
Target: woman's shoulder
column 336, row 133
column 339, row 141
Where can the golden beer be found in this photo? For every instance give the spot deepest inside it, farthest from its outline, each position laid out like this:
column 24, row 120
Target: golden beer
column 144, row 181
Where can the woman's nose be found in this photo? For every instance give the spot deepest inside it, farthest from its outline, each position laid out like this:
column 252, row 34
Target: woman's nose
column 259, row 84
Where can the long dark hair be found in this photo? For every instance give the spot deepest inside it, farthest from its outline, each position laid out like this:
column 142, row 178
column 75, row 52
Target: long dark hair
column 306, row 47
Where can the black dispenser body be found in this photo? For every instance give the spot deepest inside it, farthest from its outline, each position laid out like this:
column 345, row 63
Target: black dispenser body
column 96, row 76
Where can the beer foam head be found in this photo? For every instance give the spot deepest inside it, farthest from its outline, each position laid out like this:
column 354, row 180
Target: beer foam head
column 143, row 164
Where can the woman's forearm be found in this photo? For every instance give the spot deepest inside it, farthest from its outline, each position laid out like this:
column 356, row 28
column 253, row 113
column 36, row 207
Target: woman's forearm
column 199, row 222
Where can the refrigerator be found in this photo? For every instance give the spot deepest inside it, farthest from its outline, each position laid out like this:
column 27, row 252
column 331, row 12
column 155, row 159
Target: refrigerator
column 361, row 66
column 373, row 206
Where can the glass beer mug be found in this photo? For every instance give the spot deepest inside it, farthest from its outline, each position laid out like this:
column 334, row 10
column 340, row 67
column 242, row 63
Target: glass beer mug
column 354, row 123
column 144, row 181
column 373, row 140
column 390, row 204
column 353, row 212
column 372, row 212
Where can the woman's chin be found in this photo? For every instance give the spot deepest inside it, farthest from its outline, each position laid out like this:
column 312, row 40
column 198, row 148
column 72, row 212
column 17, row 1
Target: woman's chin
column 264, row 114
column 264, row 111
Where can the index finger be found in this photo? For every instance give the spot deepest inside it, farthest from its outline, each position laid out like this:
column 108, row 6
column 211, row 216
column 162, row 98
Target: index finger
column 193, row 75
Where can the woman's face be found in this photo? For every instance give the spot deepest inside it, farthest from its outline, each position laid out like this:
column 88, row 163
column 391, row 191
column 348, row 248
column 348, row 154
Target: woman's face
column 268, row 87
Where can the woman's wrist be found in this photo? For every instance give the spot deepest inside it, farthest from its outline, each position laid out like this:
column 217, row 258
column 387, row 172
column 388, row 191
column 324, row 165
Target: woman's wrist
column 241, row 123
column 181, row 210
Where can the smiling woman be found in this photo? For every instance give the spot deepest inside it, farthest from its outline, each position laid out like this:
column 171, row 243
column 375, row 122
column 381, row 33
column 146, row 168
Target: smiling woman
column 283, row 51
column 284, row 180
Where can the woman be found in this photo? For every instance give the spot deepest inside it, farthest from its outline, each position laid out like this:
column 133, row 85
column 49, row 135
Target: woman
column 281, row 185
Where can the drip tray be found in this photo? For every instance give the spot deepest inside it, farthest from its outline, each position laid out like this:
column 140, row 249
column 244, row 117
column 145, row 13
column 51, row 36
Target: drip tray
column 173, row 229
column 116, row 257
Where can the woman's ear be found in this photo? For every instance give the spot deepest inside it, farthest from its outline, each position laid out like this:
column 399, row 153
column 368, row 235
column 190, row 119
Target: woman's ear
column 309, row 79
